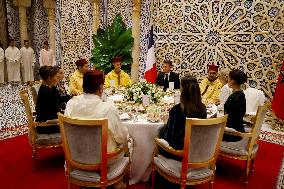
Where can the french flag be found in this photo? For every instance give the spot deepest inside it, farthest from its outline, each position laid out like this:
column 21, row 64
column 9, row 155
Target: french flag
column 151, row 71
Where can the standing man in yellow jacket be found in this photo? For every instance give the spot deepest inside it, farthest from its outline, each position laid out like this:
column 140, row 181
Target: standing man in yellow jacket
column 76, row 80
column 117, row 75
column 210, row 87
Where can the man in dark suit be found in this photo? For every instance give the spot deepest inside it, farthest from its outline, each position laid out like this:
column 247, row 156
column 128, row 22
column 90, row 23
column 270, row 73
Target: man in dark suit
column 167, row 76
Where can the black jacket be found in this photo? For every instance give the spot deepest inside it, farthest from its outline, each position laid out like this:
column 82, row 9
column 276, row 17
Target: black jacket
column 173, row 77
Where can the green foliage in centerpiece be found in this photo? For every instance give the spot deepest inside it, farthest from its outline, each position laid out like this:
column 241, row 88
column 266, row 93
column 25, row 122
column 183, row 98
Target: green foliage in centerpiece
column 115, row 40
column 134, row 93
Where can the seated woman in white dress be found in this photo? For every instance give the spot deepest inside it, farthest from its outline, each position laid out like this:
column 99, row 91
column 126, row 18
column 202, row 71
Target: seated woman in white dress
column 226, row 91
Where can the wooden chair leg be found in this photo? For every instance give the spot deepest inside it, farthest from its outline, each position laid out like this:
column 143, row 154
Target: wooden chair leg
column 211, row 184
column 247, row 170
column 34, row 153
column 153, row 178
column 127, row 177
column 252, row 165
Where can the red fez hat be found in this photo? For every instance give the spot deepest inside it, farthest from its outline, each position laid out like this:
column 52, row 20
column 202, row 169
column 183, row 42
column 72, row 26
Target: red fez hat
column 213, row 68
column 45, row 42
column 116, row 59
column 92, row 80
column 81, row 62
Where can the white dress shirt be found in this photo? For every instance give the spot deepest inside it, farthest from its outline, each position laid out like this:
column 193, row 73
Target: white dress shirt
column 90, row 106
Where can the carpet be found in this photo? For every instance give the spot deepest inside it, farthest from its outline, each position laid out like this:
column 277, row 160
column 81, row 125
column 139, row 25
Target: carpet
column 16, row 169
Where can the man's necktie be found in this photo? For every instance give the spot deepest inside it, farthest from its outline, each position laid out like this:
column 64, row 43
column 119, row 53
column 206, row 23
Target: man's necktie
column 166, row 81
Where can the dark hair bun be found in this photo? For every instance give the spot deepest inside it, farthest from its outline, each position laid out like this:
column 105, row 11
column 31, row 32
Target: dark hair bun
column 238, row 76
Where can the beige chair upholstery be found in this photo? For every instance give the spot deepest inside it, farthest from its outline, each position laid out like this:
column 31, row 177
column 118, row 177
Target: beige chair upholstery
column 247, row 148
column 85, row 147
column 38, row 140
column 201, row 145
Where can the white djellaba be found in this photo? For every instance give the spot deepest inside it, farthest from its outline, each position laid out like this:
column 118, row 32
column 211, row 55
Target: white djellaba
column 13, row 56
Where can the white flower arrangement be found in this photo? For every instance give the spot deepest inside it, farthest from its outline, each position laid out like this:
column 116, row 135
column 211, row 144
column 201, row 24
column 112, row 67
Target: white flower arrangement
column 134, row 93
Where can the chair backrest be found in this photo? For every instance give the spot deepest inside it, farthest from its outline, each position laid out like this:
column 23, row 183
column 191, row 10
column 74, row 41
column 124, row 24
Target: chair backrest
column 202, row 142
column 260, row 115
column 25, row 99
column 84, row 142
column 34, row 88
column 254, row 98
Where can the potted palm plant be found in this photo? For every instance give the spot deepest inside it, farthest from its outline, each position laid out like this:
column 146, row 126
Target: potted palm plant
column 115, row 40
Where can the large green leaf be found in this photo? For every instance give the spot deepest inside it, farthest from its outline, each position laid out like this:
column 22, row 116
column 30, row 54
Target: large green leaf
column 115, row 40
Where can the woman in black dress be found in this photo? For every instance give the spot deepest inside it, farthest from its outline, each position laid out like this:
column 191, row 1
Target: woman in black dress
column 49, row 101
column 62, row 89
column 235, row 106
column 190, row 106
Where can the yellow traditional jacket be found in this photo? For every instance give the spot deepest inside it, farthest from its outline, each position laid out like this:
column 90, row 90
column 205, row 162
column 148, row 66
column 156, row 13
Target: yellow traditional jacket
column 123, row 77
column 76, row 83
column 210, row 91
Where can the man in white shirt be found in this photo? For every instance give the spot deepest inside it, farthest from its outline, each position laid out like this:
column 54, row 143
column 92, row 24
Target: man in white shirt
column 13, row 56
column 2, row 64
column 28, row 60
column 89, row 105
column 46, row 56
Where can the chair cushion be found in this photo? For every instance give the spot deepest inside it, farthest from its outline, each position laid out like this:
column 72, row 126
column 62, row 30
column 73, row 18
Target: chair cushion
column 113, row 170
column 237, row 148
column 173, row 168
column 45, row 139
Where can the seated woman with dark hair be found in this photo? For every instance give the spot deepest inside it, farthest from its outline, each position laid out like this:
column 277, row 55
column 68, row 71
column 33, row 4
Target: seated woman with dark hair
column 235, row 106
column 48, row 101
column 190, row 106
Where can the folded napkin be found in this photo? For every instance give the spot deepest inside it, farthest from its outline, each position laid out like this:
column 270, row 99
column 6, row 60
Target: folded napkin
column 124, row 116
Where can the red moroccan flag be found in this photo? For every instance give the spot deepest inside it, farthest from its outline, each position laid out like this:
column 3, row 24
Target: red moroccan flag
column 278, row 97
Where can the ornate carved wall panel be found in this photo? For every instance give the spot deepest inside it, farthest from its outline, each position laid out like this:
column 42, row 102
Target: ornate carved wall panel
column 122, row 7
column 37, row 29
column 76, row 32
column 246, row 34
column 3, row 29
column 13, row 22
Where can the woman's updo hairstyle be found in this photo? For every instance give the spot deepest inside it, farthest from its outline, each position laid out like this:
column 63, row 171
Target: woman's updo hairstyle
column 54, row 71
column 238, row 76
column 45, row 72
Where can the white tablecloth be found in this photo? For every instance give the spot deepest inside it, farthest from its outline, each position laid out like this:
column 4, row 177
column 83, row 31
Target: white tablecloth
column 143, row 134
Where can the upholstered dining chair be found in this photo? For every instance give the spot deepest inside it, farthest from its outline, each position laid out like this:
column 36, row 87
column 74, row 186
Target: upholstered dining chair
column 38, row 140
column 201, row 146
column 245, row 149
column 34, row 88
column 87, row 161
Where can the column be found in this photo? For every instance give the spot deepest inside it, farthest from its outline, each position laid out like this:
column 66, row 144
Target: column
column 23, row 5
column 136, row 35
column 50, row 6
column 95, row 4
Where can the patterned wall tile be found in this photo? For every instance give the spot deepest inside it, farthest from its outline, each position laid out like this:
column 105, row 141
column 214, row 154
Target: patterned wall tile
column 13, row 22
column 248, row 35
column 37, row 29
column 76, row 30
column 3, row 29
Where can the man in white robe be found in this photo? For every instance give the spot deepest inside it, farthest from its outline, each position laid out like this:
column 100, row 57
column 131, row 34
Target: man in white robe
column 46, row 56
column 2, row 64
column 90, row 106
column 13, row 58
column 28, row 60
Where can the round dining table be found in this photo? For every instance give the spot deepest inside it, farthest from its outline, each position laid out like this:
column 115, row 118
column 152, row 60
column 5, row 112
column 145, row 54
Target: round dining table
column 143, row 133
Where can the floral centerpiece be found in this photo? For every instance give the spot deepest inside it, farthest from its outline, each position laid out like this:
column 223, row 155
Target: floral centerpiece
column 134, row 93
